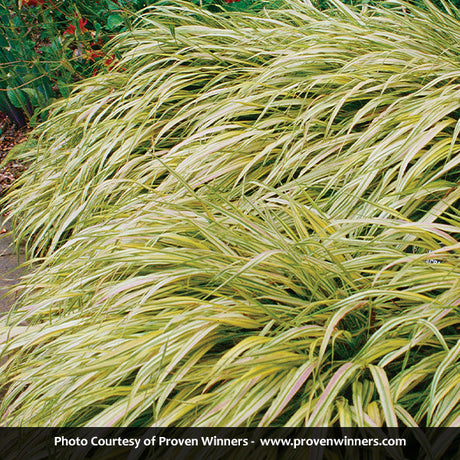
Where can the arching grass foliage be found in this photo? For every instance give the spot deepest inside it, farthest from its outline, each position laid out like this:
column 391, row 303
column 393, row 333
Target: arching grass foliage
column 251, row 221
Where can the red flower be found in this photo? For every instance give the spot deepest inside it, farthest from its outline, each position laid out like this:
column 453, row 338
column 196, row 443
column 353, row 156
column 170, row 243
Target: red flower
column 70, row 29
column 94, row 54
column 82, row 24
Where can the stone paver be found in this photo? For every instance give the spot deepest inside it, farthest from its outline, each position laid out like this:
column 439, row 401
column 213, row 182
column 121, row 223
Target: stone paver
column 9, row 270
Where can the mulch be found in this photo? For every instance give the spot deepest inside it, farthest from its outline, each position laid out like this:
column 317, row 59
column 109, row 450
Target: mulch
column 10, row 135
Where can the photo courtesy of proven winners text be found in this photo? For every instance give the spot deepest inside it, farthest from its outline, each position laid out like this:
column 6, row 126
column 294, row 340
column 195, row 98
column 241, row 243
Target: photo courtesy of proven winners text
column 230, row 229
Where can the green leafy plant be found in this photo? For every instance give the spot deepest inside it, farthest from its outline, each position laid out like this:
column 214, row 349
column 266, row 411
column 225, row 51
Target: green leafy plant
column 24, row 84
column 238, row 224
column 47, row 45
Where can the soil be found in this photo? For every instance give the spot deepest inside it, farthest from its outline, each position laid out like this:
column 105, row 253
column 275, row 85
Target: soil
column 10, row 135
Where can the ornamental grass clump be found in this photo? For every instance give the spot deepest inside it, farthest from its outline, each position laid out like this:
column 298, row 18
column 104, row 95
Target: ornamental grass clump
column 252, row 220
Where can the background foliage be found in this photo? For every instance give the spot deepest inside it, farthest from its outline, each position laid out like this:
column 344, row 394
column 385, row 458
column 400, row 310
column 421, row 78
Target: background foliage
column 48, row 45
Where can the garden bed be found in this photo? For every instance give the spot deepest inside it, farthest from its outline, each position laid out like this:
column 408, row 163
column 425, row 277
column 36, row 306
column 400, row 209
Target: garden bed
column 10, row 135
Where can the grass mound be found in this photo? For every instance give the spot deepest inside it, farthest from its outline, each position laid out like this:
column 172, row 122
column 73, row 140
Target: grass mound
column 251, row 221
